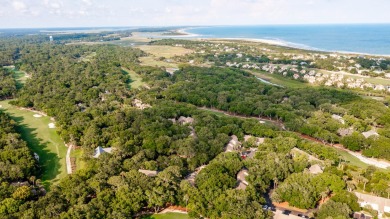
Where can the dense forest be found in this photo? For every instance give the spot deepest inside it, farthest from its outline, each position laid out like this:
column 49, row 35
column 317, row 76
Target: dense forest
column 17, row 164
column 86, row 90
column 308, row 111
column 7, row 84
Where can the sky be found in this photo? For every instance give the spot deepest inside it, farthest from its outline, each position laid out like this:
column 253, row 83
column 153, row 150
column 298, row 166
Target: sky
column 104, row 13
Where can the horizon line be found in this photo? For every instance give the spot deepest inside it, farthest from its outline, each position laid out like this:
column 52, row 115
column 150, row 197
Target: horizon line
column 213, row 25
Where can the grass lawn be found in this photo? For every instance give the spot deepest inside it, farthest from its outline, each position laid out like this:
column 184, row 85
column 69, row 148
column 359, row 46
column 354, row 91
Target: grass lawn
column 152, row 61
column 88, row 58
column 165, row 51
column 20, row 77
column 352, row 160
column 136, row 79
column 162, row 51
column 280, row 80
column 168, row 216
column 41, row 140
column 78, row 154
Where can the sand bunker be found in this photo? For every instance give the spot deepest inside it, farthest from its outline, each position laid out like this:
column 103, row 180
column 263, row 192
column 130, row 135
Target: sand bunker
column 52, row 125
column 1, row 106
column 37, row 116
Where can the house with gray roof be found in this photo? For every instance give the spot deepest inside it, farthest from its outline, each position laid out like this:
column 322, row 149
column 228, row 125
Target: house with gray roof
column 370, row 133
column 99, row 151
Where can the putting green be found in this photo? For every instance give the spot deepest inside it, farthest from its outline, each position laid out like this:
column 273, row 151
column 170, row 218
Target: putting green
column 42, row 140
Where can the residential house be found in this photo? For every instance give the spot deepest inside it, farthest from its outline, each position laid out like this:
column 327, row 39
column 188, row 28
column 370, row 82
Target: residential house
column 242, row 183
column 150, row 173
column 233, row 145
column 370, row 133
column 99, row 151
column 379, row 204
column 315, row 169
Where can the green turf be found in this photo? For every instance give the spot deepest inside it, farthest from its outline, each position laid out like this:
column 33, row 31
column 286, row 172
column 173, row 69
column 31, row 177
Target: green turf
column 168, row 216
column 352, row 160
column 78, row 154
column 88, row 58
column 280, row 80
column 136, row 80
column 41, row 140
column 20, row 76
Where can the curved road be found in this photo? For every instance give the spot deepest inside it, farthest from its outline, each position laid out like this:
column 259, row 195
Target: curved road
column 383, row 164
column 68, row 163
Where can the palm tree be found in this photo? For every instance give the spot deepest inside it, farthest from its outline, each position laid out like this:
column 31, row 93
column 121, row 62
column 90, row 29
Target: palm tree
column 388, row 192
column 341, row 165
column 32, row 180
column 351, row 185
column 276, row 182
column 38, row 182
column 365, row 181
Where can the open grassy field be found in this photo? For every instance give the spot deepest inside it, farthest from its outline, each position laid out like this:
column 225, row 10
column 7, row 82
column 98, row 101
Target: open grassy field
column 20, row 76
column 136, row 80
column 88, row 57
column 152, row 61
column 168, row 216
column 280, row 80
column 155, row 52
column 78, row 154
column 165, row 51
column 41, row 140
column 350, row 159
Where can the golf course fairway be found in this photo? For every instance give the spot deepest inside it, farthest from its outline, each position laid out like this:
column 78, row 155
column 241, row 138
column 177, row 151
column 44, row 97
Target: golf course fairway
column 41, row 139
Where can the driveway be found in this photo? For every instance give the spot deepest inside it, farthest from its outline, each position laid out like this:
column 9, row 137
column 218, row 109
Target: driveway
column 280, row 215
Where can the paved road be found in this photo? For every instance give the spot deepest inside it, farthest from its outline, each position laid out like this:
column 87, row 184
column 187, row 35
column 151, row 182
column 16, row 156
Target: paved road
column 280, row 215
column 370, row 161
column 68, row 163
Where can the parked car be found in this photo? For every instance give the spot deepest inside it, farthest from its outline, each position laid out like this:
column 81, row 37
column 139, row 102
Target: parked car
column 286, row 212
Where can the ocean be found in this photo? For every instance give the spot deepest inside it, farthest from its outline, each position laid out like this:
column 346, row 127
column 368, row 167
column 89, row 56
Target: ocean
column 364, row 38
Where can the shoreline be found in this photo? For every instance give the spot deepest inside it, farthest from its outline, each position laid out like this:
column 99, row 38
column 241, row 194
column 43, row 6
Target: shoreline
column 184, row 33
column 286, row 44
column 273, row 42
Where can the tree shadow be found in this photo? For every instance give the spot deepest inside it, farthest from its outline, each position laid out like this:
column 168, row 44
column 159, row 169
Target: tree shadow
column 18, row 76
column 49, row 162
column 129, row 80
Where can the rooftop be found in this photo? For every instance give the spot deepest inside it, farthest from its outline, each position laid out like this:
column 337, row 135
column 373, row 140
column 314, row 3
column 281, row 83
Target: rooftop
column 99, row 151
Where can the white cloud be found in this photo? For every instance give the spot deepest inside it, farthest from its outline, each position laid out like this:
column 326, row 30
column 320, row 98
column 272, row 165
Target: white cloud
column 19, row 6
column 87, row 2
column 189, row 12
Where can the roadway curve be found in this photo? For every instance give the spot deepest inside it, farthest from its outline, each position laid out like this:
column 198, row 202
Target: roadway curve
column 68, row 163
column 369, row 161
